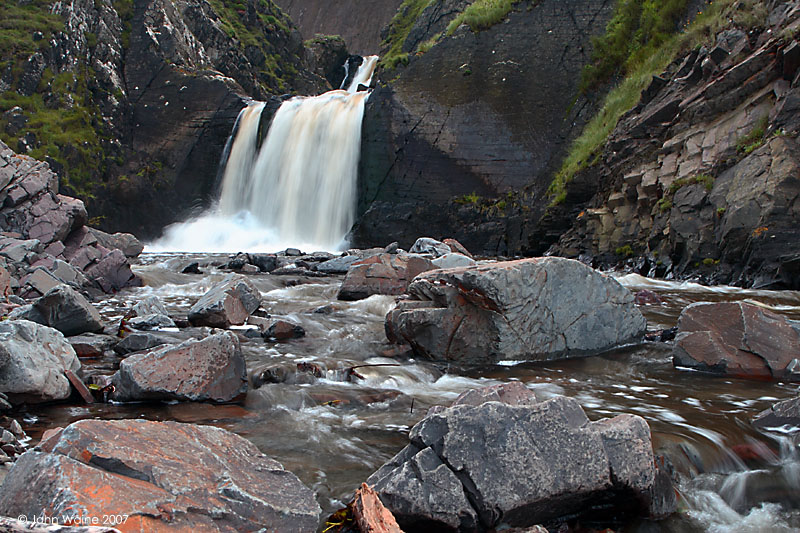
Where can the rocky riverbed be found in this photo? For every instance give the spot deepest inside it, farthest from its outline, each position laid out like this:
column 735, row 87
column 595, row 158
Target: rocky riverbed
column 263, row 346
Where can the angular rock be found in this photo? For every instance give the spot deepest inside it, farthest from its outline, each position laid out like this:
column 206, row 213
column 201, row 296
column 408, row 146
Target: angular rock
column 283, row 330
column 32, row 362
column 530, row 309
column 494, row 465
column 457, row 247
column 212, row 369
column 125, row 242
column 150, row 306
column 165, row 476
column 426, row 245
column 151, row 322
column 66, row 310
column 785, row 413
column 338, row 265
column 229, row 302
column 113, row 272
column 92, row 344
column 138, row 341
column 371, row 515
column 737, row 339
column 382, row 274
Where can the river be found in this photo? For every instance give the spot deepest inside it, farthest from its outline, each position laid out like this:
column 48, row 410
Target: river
column 334, row 433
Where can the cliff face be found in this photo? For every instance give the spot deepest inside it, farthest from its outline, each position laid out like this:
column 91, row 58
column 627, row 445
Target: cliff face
column 476, row 116
column 702, row 179
column 359, row 22
column 149, row 92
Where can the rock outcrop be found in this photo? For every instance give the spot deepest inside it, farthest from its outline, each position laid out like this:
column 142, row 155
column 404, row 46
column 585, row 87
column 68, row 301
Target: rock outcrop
column 227, row 303
column 701, row 177
column 472, row 118
column 212, row 369
column 496, row 465
column 737, row 339
column 530, row 309
column 33, row 359
column 164, row 476
column 64, row 309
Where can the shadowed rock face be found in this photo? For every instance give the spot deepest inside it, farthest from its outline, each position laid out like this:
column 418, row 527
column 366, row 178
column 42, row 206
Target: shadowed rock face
column 482, row 113
column 359, row 22
column 531, row 309
column 164, row 476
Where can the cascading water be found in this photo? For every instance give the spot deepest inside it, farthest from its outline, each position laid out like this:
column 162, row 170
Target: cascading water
column 298, row 189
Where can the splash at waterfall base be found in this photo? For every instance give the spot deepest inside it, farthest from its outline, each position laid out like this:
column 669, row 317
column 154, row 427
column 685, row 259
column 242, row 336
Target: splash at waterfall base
column 296, row 187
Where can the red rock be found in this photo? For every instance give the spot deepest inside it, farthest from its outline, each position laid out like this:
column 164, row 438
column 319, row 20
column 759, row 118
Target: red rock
column 457, row 247
column 165, row 476
column 382, row 274
column 229, row 302
column 371, row 515
column 282, row 330
column 737, row 339
column 212, row 369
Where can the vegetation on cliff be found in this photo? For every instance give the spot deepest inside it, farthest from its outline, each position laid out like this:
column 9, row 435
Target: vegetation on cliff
column 482, row 14
column 399, row 28
column 649, row 53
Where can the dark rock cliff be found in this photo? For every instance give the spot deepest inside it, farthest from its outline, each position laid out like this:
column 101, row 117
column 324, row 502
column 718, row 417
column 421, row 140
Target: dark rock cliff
column 157, row 86
column 702, row 178
column 359, row 22
column 477, row 116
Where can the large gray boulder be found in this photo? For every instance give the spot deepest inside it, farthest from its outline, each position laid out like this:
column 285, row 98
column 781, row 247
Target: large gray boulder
column 531, row 309
column 33, row 359
column 211, row 369
column 484, row 466
column 227, row 303
column 66, row 310
column 162, row 476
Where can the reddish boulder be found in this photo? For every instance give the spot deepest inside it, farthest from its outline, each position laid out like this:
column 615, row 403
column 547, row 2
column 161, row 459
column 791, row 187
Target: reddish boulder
column 371, row 515
column 212, row 369
column 457, row 247
column 737, row 339
column 382, row 274
column 161, row 476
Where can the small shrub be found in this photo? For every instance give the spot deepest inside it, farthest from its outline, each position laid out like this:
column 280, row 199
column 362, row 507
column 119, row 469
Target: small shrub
column 481, row 15
column 720, row 211
column 753, row 140
column 468, row 199
column 624, row 251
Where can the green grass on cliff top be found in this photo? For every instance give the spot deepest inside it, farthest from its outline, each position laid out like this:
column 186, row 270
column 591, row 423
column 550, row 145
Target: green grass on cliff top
column 399, row 28
column 481, row 15
column 640, row 63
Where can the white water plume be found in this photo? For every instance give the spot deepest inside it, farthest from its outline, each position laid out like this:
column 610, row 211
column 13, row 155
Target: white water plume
column 298, row 189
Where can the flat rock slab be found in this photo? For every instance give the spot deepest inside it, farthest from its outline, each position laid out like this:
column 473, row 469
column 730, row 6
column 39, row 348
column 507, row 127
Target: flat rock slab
column 382, row 274
column 737, row 339
column 530, row 309
column 211, row 369
column 33, row 359
column 496, row 465
column 165, row 476
column 227, row 303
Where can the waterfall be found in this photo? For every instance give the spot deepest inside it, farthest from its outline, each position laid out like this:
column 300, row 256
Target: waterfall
column 298, row 189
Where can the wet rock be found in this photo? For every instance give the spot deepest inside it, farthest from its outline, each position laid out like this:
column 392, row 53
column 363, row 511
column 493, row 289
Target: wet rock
column 150, row 314
column 426, row 245
column 371, row 515
column 495, row 465
column 782, row 414
column 737, row 339
column 292, row 252
column 12, row 525
column 33, row 359
column 165, row 476
column 138, row 341
column 264, row 262
column 113, row 272
column 283, row 330
column 66, row 310
column 453, row 260
column 338, row 265
column 229, row 302
column 212, row 369
column 382, row 274
column 531, row 309
column 92, row 344
column 192, row 268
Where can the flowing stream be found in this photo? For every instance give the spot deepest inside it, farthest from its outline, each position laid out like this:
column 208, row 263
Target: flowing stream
column 333, row 433
column 296, row 188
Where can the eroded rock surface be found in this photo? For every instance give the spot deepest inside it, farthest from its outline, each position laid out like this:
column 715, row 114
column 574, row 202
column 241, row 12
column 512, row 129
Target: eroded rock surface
column 227, row 303
column 165, row 476
column 534, row 309
column 382, row 274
